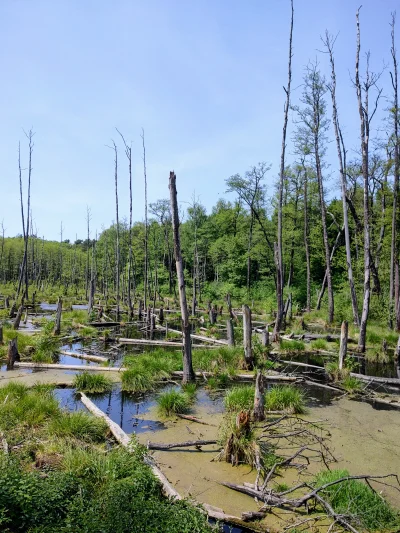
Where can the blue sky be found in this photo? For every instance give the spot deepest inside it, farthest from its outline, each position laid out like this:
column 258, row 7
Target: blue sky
column 203, row 78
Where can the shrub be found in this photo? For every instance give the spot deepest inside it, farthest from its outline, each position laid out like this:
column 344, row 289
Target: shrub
column 239, row 398
column 354, row 498
column 172, row 401
column 92, row 382
column 291, row 346
column 285, row 398
column 79, row 425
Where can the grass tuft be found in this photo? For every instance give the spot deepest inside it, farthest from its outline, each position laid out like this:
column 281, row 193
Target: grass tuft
column 79, row 425
column 285, row 398
column 172, row 401
column 239, row 398
column 291, row 346
column 90, row 382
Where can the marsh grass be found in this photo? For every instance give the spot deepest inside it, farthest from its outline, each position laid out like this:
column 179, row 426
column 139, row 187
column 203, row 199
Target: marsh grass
column 354, row 498
column 285, row 398
column 79, row 425
column 221, row 380
column 239, row 398
column 137, row 379
column 319, row 344
column 92, row 382
column 291, row 346
column 172, row 402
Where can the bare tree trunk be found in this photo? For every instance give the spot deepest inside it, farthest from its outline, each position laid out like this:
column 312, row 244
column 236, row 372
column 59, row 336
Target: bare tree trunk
column 57, row 329
column 278, row 253
column 393, row 246
column 344, row 333
column 265, row 336
column 230, row 332
column 18, row 317
column 12, row 354
column 306, row 240
column 248, row 353
column 117, row 265
column 188, row 374
column 146, row 229
column 258, row 410
column 329, row 42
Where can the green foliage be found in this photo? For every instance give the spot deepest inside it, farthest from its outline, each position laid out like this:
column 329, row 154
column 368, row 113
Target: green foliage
column 220, row 380
column 239, row 398
column 220, row 359
column 351, row 383
column 19, row 405
column 190, row 390
column 79, row 425
column 92, row 382
column 291, row 346
column 137, row 379
column 319, row 344
column 172, row 401
column 354, row 498
column 285, row 398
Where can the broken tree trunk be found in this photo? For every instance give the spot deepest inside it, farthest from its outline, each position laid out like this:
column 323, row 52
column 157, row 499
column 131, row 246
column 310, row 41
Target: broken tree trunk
column 265, row 337
column 344, row 333
column 188, row 374
column 259, row 411
column 57, row 328
column 18, row 317
column 1, row 334
column 12, row 354
column 248, row 354
column 230, row 332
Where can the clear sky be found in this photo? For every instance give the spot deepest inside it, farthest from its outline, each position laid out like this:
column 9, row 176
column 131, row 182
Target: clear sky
column 203, row 78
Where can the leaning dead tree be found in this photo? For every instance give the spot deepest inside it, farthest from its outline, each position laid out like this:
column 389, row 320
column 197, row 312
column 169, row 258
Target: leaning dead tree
column 278, row 255
column 188, row 373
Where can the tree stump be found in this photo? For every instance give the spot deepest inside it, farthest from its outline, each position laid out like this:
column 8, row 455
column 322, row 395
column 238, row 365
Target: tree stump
column 161, row 315
column 344, row 333
column 12, row 354
column 57, row 328
column 18, row 317
column 265, row 337
column 230, row 332
column 248, row 354
column 1, row 333
column 258, row 411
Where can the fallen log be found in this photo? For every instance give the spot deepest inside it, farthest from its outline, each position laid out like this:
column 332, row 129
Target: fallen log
column 187, row 444
column 305, row 365
column 110, row 324
column 376, row 379
column 147, row 342
column 49, row 366
column 195, row 337
column 94, row 358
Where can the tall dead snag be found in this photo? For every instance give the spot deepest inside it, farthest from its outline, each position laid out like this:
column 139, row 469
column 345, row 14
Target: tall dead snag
column 117, row 251
column 248, row 353
column 278, row 246
column 306, row 236
column 57, row 329
column 146, row 226
column 12, row 354
column 329, row 44
column 258, row 410
column 394, row 245
column 1, row 334
column 344, row 334
column 366, row 116
column 188, row 374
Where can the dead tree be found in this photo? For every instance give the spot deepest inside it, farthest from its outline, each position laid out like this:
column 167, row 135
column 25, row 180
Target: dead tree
column 57, row 328
column 230, row 332
column 344, row 333
column 146, row 226
column 117, row 250
column 278, row 254
column 396, row 140
column 258, row 410
column 18, row 317
column 248, row 353
column 366, row 116
column 12, row 354
column 188, row 373
column 265, row 336
column 1, row 334
column 329, row 44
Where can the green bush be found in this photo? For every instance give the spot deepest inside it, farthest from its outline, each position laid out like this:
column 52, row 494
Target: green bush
column 285, row 398
column 92, row 382
column 354, row 498
column 79, row 425
column 239, row 398
column 172, row 401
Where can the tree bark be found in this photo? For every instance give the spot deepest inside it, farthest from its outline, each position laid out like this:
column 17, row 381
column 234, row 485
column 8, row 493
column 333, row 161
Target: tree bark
column 57, row 329
column 12, row 354
column 344, row 333
column 230, row 332
column 18, row 317
column 258, row 410
column 188, row 373
column 248, row 353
